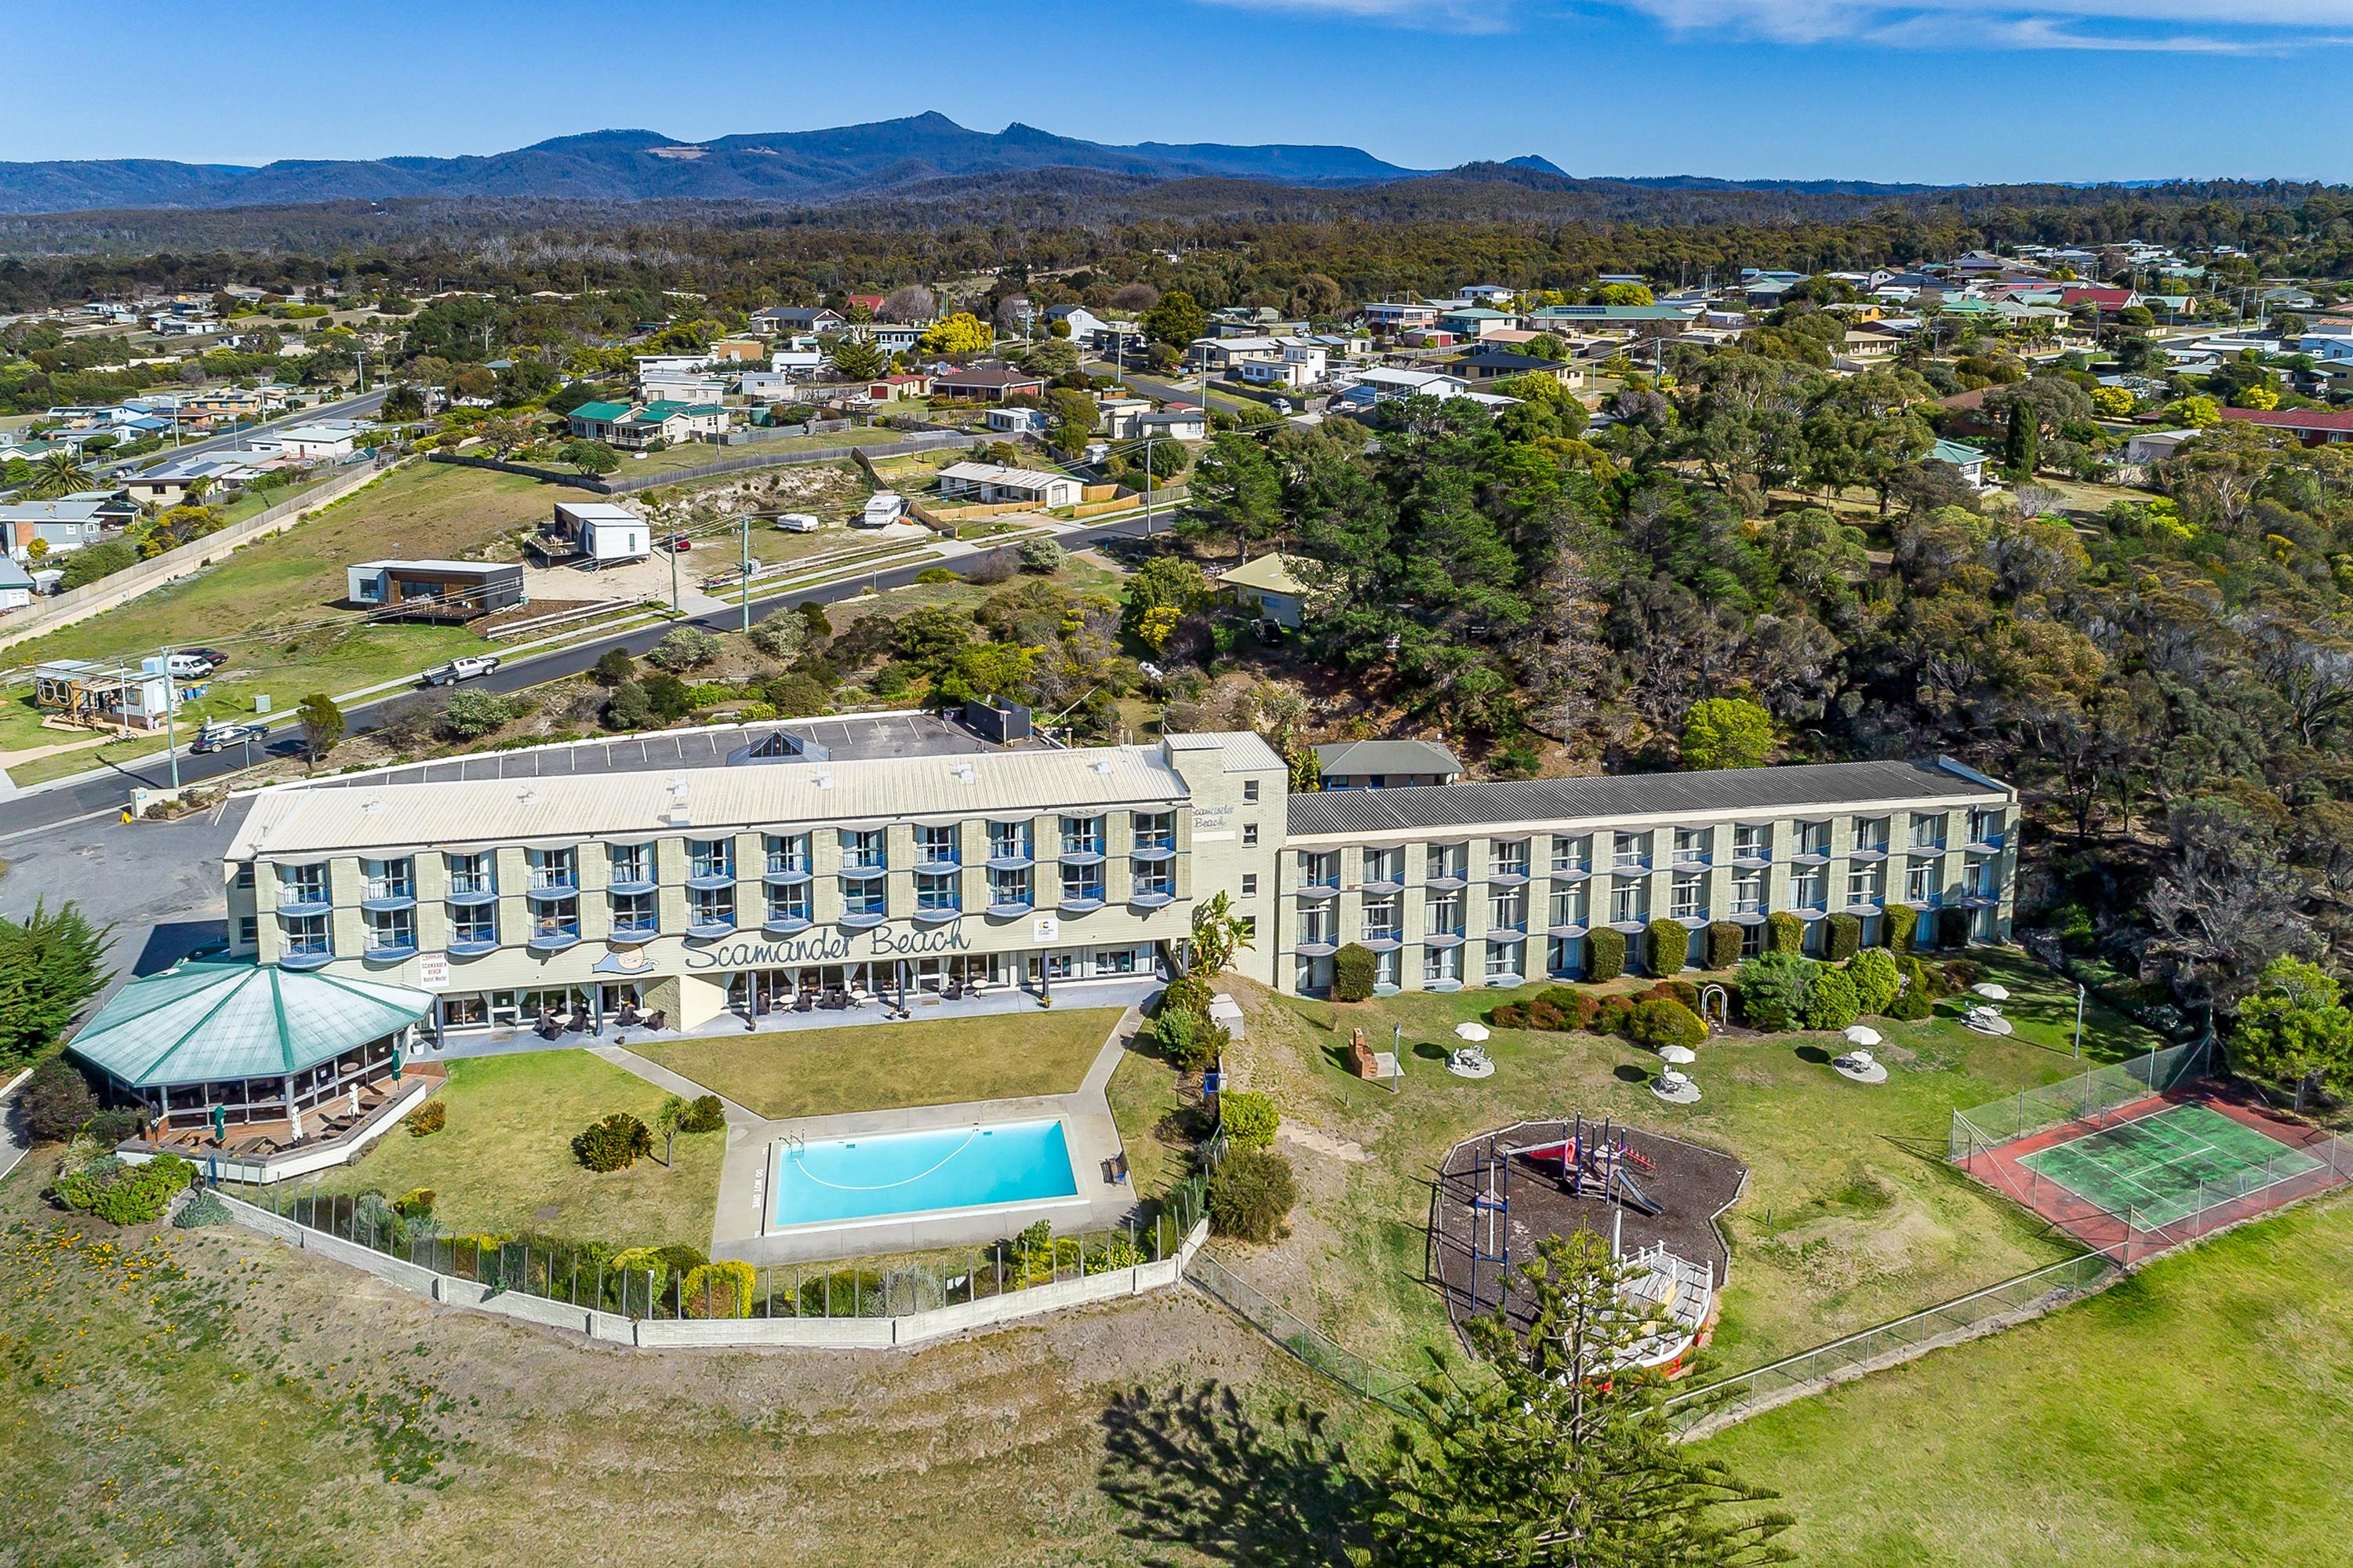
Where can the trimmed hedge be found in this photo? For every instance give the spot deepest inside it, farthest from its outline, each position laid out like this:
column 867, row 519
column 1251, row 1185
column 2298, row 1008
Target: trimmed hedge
column 1723, row 944
column 1783, row 933
column 1353, row 972
column 1661, row 1021
column 1844, row 939
column 1604, row 955
column 1666, row 944
column 1897, row 927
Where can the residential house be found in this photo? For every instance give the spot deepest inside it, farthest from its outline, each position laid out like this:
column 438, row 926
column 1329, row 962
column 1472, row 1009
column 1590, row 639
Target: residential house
column 1489, row 293
column 1490, row 364
column 434, row 590
column 789, row 319
column 639, row 425
column 1271, row 586
column 2313, row 427
column 308, row 443
column 1118, row 417
column 1967, row 459
column 170, row 484
column 899, row 387
column 1866, row 347
column 1021, row 421
column 60, row 527
column 987, row 383
column 607, row 535
column 1228, row 355
column 994, row 484
column 2156, row 446
column 739, row 351
column 108, row 696
column 1472, row 323
column 1301, row 365
column 1395, row 316
column 1386, row 763
column 16, row 586
column 596, row 421
column 1175, row 424
column 1383, row 384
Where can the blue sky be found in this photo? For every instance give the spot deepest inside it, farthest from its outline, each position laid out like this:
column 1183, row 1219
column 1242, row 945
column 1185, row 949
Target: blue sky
column 1945, row 91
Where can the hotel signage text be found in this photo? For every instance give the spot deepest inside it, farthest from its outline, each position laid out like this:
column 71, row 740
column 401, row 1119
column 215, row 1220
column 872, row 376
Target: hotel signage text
column 832, row 948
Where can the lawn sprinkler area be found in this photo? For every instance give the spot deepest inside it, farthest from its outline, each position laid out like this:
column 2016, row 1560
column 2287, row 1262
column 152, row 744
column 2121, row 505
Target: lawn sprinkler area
column 1010, row 1169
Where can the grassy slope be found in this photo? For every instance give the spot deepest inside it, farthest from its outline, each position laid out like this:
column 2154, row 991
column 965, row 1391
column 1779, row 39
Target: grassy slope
column 932, row 1062
column 1867, row 1220
column 2198, row 1413
column 506, row 1154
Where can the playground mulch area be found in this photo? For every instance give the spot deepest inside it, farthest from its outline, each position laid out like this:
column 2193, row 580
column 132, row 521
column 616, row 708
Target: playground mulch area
column 2163, row 1169
column 1691, row 1186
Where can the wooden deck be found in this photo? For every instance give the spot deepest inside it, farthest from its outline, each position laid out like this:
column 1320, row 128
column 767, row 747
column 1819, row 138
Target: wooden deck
column 326, row 1126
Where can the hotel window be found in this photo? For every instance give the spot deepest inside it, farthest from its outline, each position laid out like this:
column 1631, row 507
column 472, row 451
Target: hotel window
column 1115, row 960
column 1009, row 840
column 382, row 879
column 862, row 850
column 1507, row 858
column 245, row 874
column 1927, row 829
column 306, row 936
column 1249, row 833
column 1385, row 866
column 1082, row 883
column 1629, row 902
column 1920, row 886
column 249, row 931
column 1870, row 833
column 789, row 902
column 1382, row 918
column 474, row 925
column 1814, row 837
column 1690, row 901
column 1386, row 966
column 1984, row 827
column 1808, row 886
column 935, row 891
column 1748, row 891
column 1573, row 854
column 1447, row 863
column 635, row 914
column 1443, row 915
column 1008, row 888
column 1321, row 868
column 1979, row 877
column 1156, row 878
column 1082, row 835
column 1317, row 926
column 862, row 895
column 1863, row 884
column 1568, row 905
column 1507, row 910
column 555, row 919
column 552, row 870
column 1630, row 852
column 633, row 865
column 1690, row 846
column 1752, row 940
column 936, row 845
column 302, row 885
column 1249, row 883
column 1439, row 965
column 788, row 852
column 1503, row 960
column 1752, row 840
column 711, row 909
column 1250, row 791
column 1156, row 830
column 711, row 859
column 473, row 874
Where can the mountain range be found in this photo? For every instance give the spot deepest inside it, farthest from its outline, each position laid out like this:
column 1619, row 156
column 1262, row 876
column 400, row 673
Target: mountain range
column 815, row 168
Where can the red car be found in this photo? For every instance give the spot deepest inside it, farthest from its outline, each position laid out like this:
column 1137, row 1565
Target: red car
column 676, row 542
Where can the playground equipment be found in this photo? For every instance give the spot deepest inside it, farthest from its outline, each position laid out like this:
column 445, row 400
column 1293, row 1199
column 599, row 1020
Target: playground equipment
column 1594, row 1162
column 1491, row 1220
column 1714, row 1008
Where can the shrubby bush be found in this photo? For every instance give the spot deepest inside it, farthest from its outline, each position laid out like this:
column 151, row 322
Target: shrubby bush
column 1783, row 933
column 683, row 647
column 1774, row 987
column 204, row 1209
column 1186, row 1036
column 1251, row 1119
column 1665, row 944
column 470, row 715
column 426, row 1119
column 721, row 1289
column 703, row 1114
column 1604, row 955
column 1831, row 1002
column 1875, row 979
column 1896, row 926
column 1723, row 944
column 615, row 1143
column 780, row 636
column 1661, row 1021
column 1843, row 935
column 1043, row 557
column 1353, row 972
column 56, row 1101
column 121, row 1195
column 1251, row 1195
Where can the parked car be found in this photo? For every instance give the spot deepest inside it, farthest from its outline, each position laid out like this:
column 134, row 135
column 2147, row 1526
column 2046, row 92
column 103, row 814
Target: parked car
column 211, row 656
column 221, row 737
column 188, row 666
column 680, row 542
column 461, row 669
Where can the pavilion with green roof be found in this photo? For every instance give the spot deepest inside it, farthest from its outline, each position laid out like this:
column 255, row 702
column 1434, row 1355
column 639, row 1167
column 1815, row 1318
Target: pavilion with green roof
column 250, row 1043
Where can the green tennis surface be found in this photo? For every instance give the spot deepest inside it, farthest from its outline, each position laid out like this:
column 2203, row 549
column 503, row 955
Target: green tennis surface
column 2165, row 1167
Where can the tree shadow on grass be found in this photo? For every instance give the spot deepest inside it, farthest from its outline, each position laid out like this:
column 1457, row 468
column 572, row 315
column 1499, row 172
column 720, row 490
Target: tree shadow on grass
column 1630, row 1073
column 1195, row 1472
column 1813, row 1053
column 1430, row 1053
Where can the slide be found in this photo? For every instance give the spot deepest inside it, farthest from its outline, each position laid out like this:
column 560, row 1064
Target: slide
column 1633, row 1197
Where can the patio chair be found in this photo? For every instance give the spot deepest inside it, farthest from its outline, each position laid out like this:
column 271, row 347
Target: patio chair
column 656, row 1020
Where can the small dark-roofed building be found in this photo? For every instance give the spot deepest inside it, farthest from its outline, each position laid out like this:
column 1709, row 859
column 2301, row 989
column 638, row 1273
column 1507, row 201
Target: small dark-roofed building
column 989, row 384
column 1497, row 364
column 434, row 590
column 1386, row 763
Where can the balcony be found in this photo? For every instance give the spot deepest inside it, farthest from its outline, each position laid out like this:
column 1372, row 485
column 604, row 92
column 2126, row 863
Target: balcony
column 1081, row 901
column 709, row 874
column 632, row 882
column 635, row 928
column 863, row 917
column 1382, row 885
column 1015, row 859
column 297, row 898
column 1867, row 852
column 705, row 925
column 864, row 863
column 1319, row 946
column 472, row 890
column 1010, row 908
column 553, row 937
column 1515, row 875
column 1081, row 856
column 1572, row 871
column 1152, row 896
column 937, row 914
column 937, row 864
column 1154, row 849
column 788, row 921
column 1442, row 938
column 1570, row 929
column 1380, row 939
column 1988, row 844
column 784, row 874
column 545, row 885
column 1926, row 851
column 1320, row 889
column 389, row 952
column 388, row 895
column 307, row 955
column 475, row 946
column 1811, row 855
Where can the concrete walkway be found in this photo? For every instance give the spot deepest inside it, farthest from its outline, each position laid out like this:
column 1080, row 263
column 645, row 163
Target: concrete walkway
column 13, row 1142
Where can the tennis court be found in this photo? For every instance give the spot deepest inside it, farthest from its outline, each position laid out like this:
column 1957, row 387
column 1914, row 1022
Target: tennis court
column 2165, row 1167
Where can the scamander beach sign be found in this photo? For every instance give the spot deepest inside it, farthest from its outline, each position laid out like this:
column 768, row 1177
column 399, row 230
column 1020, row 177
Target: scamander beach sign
column 832, row 948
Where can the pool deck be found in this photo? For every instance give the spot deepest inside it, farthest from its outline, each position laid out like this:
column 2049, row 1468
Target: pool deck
column 741, row 1229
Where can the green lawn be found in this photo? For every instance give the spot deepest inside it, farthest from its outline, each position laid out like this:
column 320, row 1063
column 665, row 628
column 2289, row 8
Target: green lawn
column 1851, row 1215
column 2198, row 1413
column 1143, row 1096
column 884, row 1067
column 505, row 1159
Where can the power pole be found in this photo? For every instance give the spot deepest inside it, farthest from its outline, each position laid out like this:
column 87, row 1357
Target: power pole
column 745, row 585
column 171, row 719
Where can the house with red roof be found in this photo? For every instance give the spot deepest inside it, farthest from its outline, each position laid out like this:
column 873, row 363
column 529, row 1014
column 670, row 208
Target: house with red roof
column 2313, row 427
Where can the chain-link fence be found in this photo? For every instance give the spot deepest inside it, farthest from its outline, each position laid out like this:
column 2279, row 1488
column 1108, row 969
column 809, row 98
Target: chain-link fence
column 1295, row 1334
column 2294, row 1173
column 2088, row 1097
column 652, row 1284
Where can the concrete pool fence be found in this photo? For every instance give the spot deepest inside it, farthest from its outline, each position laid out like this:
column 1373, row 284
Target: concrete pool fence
column 806, row 1333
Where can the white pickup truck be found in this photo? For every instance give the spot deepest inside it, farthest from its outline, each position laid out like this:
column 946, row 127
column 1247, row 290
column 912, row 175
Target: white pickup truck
column 463, row 669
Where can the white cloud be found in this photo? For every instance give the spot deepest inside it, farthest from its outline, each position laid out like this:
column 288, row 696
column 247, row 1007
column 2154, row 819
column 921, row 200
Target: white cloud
column 2209, row 26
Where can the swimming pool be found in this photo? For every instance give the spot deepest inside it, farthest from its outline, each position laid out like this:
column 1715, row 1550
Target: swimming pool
column 850, row 1180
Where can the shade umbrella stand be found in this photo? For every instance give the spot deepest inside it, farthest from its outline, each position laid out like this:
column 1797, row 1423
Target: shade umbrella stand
column 1470, row 1032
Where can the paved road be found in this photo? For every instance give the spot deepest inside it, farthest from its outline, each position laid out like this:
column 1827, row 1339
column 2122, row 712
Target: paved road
column 1169, row 392
column 349, row 408
column 105, row 794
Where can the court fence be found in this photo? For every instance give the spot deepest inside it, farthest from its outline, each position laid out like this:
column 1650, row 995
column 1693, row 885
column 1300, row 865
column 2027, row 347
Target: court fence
column 641, row 1297
column 1294, row 1334
column 2086, row 1098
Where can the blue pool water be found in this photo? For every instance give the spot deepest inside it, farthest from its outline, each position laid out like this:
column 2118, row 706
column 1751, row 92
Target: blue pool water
column 844, row 1180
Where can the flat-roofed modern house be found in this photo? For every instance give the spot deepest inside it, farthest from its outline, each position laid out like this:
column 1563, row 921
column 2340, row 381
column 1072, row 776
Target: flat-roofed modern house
column 434, row 590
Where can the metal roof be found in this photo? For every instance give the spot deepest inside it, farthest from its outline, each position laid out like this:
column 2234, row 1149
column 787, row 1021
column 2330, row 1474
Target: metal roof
column 1729, row 791
column 1350, row 758
column 208, row 1020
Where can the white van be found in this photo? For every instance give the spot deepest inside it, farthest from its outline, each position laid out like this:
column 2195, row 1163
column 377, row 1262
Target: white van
column 188, row 666
column 798, row 523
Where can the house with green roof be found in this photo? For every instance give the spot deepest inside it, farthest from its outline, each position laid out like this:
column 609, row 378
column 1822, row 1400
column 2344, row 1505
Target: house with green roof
column 594, row 421
column 635, row 426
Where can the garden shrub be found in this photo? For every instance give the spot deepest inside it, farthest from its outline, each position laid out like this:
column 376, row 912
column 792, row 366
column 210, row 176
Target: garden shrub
column 1842, row 937
column 203, row 1209
column 1249, row 1119
column 1251, row 1195
column 933, row 575
column 1043, row 557
column 121, row 1195
column 1875, row 979
column 1961, row 973
column 1783, row 933
column 1666, row 943
column 615, row 1143
column 1774, row 987
column 1185, row 993
column 1897, row 925
column 685, row 648
column 1353, row 969
column 1542, row 1014
column 721, row 1289
column 1723, row 944
column 1604, row 955
column 704, row 1115
column 56, row 1101
column 416, row 1201
column 1910, row 1005
column 1831, row 1004
column 426, row 1119
column 1511, row 1015
column 1186, row 1038
column 1952, row 928
column 1682, row 990
column 1660, row 1020
column 1614, row 1014
column 111, row 1127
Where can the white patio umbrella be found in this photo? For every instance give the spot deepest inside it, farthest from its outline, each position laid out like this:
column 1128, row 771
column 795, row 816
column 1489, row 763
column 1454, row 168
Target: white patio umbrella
column 1991, row 990
column 1471, row 1031
column 1862, row 1034
column 1681, row 1056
